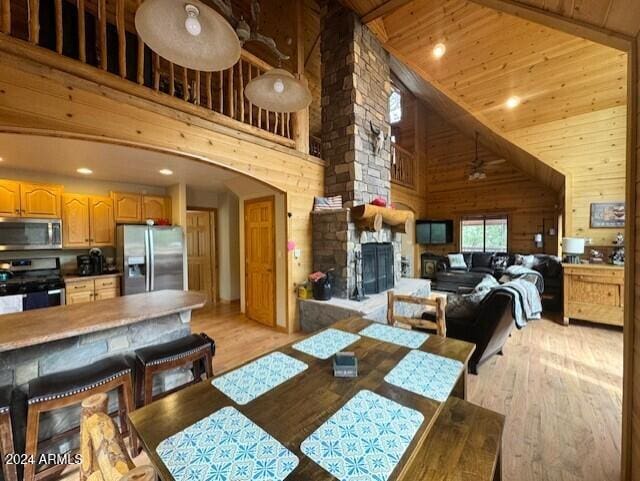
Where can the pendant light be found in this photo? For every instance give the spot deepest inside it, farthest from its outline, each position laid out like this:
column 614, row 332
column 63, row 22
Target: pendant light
column 278, row 91
column 188, row 33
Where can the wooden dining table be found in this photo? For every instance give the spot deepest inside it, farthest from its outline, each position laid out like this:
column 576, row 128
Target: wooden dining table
column 292, row 411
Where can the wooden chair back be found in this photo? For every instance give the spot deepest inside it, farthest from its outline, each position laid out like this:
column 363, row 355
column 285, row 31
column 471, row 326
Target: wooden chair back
column 437, row 302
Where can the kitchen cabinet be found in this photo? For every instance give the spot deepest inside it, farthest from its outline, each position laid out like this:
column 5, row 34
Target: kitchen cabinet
column 9, row 198
column 87, row 221
column 27, row 199
column 156, row 207
column 40, row 200
column 80, row 290
column 127, row 207
column 137, row 208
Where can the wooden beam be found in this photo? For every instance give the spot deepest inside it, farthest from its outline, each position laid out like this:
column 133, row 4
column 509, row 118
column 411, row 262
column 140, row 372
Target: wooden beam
column 384, row 9
column 460, row 116
column 553, row 20
column 316, row 42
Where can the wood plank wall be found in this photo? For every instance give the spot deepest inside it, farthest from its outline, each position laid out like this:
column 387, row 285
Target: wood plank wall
column 46, row 100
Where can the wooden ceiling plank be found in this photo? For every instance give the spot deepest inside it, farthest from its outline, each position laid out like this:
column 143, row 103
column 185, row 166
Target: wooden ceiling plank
column 383, row 9
column 551, row 19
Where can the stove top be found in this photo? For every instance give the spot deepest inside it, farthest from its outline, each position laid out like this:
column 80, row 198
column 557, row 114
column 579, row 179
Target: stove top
column 32, row 275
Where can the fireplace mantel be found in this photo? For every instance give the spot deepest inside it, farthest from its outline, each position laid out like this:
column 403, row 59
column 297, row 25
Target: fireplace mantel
column 372, row 217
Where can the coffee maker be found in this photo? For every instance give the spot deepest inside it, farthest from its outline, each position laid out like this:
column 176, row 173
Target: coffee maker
column 97, row 261
column 85, row 265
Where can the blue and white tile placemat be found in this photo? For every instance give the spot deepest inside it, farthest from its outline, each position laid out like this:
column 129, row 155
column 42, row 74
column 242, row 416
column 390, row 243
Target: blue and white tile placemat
column 226, row 446
column 365, row 439
column 256, row 378
column 395, row 335
column 326, row 343
column 426, row 374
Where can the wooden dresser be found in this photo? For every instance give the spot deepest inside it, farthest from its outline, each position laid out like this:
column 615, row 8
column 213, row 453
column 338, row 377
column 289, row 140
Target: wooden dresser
column 594, row 292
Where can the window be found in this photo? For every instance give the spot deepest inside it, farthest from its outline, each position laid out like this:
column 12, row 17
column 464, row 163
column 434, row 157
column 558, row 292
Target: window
column 484, row 234
column 395, row 106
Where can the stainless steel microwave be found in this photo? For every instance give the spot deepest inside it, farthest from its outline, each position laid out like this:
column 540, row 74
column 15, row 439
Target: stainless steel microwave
column 20, row 233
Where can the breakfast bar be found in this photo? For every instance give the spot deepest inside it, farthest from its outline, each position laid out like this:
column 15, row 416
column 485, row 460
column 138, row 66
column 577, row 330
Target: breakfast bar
column 40, row 342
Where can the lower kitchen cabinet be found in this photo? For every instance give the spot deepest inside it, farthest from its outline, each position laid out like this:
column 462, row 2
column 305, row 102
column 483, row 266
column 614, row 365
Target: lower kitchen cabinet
column 81, row 290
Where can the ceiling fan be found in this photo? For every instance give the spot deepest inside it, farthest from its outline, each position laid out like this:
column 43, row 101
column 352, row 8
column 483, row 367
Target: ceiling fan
column 249, row 32
column 478, row 166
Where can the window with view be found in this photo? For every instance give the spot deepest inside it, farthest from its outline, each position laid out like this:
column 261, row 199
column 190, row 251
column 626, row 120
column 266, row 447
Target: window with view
column 485, row 234
column 395, row 106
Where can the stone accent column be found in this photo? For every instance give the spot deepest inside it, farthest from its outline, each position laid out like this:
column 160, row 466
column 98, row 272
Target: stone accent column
column 355, row 95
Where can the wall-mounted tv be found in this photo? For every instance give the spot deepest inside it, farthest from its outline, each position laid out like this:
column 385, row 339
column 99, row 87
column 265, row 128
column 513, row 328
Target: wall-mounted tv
column 434, row 232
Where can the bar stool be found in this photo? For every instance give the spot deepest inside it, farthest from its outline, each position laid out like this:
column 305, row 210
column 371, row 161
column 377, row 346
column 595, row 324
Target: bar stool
column 7, row 445
column 62, row 389
column 197, row 349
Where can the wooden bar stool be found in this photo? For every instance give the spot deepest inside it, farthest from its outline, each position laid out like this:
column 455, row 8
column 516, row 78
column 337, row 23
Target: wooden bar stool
column 62, row 389
column 7, row 445
column 438, row 302
column 197, row 349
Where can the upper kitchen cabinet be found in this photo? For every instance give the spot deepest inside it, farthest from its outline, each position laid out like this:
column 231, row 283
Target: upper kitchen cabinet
column 40, row 200
column 9, row 198
column 75, row 221
column 127, row 207
column 101, row 221
column 156, row 207
column 87, row 221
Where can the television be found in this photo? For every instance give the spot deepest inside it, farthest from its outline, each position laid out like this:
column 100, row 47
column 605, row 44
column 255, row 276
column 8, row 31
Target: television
column 434, row 232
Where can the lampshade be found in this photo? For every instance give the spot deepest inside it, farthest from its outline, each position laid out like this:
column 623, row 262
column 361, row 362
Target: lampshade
column 537, row 238
column 278, row 91
column 188, row 33
column 573, row 245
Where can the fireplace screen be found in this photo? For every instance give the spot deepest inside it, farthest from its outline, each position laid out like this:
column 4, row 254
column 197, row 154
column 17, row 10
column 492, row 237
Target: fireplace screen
column 377, row 267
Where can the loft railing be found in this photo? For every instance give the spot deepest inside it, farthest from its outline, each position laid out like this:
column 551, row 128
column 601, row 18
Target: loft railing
column 101, row 33
column 402, row 166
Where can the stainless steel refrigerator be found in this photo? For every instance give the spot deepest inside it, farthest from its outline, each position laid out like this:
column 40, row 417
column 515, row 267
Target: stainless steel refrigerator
column 150, row 258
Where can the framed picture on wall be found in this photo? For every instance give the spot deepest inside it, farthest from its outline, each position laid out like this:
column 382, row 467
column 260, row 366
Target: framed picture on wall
column 607, row 215
column 429, row 268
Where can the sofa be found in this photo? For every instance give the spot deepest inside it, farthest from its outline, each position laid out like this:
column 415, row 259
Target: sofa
column 489, row 327
column 479, row 264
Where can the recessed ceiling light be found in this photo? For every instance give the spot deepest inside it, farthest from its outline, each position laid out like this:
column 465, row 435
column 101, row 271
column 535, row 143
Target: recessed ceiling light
column 166, row 172
column 439, row 50
column 84, row 171
column 1, row 159
column 513, row 102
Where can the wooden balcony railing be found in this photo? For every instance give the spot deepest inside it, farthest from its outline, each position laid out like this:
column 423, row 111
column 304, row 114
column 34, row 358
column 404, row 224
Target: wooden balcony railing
column 403, row 166
column 101, row 33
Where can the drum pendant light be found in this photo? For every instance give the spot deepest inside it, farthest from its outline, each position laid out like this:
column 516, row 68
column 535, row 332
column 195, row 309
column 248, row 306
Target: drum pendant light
column 188, row 33
column 278, row 91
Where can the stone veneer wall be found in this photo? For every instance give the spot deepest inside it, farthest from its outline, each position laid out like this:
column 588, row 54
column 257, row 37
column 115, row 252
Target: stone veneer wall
column 355, row 92
column 335, row 243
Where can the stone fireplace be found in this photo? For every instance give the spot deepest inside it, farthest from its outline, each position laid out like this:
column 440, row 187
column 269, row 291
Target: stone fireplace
column 355, row 98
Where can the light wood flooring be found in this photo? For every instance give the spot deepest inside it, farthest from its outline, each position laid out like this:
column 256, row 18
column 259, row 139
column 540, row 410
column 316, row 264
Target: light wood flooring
column 559, row 387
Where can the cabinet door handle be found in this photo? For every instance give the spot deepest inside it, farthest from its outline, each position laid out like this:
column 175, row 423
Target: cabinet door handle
column 86, row 240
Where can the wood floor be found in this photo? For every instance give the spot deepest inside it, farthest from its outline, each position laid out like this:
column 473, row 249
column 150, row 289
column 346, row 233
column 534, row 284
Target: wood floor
column 561, row 391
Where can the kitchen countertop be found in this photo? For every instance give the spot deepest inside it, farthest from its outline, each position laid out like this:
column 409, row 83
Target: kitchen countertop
column 75, row 277
column 30, row 328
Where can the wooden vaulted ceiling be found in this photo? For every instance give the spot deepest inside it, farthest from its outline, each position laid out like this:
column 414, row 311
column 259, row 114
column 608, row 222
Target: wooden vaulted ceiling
column 573, row 90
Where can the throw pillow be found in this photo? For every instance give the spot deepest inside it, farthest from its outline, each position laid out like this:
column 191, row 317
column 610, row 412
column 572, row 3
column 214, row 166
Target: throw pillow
column 465, row 306
column 456, row 261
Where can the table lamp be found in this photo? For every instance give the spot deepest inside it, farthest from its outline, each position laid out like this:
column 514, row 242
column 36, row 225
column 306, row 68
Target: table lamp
column 572, row 248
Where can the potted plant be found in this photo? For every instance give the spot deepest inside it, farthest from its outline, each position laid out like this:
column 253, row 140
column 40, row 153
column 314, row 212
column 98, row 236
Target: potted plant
column 321, row 285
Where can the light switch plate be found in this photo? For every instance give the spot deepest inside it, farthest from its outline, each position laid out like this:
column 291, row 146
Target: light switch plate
column 296, row 253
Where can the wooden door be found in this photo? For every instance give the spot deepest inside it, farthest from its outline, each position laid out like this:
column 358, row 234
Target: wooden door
column 9, row 198
column 75, row 221
column 259, row 252
column 200, row 253
column 127, row 208
column 40, row 200
column 156, row 207
column 101, row 221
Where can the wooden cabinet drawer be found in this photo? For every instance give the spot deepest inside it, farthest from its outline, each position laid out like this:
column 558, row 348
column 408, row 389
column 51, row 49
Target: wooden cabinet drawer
column 108, row 293
column 80, row 286
column 107, row 283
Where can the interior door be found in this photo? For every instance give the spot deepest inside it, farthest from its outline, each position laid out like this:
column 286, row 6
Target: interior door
column 167, row 256
column 259, row 250
column 200, row 253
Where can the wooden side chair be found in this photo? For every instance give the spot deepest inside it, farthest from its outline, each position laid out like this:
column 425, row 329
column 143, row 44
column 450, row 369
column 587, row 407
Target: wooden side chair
column 435, row 301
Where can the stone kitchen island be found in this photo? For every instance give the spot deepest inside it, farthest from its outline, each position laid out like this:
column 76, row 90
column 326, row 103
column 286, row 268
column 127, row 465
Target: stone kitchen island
column 44, row 341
